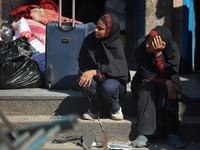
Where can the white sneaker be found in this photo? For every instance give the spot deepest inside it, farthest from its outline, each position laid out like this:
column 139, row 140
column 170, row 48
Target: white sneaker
column 89, row 115
column 118, row 115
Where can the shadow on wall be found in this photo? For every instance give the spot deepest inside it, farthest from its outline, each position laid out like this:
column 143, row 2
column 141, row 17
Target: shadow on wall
column 187, row 28
column 177, row 21
column 188, row 35
column 85, row 10
column 197, row 33
column 163, row 8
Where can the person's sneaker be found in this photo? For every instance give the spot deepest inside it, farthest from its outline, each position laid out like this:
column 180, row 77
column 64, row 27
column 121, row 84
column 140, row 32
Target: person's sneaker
column 140, row 141
column 118, row 115
column 89, row 115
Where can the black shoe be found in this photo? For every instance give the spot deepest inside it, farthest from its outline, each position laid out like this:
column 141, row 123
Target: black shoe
column 175, row 141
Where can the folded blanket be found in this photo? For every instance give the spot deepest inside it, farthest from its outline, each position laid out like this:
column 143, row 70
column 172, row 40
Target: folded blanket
column 25, row 9
column 45, row 15
column 38, row 30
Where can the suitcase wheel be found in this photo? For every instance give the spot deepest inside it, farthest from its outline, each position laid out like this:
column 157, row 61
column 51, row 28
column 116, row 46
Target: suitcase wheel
column 49, row 86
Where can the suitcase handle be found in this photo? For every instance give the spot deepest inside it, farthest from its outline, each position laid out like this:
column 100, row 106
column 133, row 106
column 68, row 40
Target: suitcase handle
column 73, row 13
column 65, row 27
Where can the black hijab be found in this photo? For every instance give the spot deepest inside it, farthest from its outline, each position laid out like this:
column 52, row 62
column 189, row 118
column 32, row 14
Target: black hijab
column 171, row 52
column 105, row 55
column 146, row 62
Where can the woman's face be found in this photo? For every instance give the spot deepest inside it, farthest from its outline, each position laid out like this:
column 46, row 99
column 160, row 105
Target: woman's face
column 100, row 30
column 148, row 44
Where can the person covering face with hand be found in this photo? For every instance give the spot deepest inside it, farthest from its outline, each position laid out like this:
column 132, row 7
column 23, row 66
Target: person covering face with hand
column 155, row 87
column 103, row 68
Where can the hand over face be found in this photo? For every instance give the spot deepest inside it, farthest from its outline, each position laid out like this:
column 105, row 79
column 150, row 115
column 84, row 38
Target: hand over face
column 158, row 44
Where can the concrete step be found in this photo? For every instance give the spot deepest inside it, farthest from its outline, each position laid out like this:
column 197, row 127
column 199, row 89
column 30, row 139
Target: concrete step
column 39, row 101
column 31, row 106
column 152, row 146
column 124, row 130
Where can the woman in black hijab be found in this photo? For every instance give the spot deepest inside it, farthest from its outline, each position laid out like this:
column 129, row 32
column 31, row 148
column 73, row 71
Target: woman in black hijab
column 155, row 87
column 103, row 68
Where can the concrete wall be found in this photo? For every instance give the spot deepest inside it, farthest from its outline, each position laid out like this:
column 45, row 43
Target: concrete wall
column 158, row 12
column 7, row 6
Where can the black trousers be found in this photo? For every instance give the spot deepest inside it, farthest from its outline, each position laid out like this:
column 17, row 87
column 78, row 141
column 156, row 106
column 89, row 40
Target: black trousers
column 156, row 113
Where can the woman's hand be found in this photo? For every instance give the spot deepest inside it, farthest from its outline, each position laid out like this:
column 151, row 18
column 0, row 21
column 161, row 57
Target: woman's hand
column 86, row 77
column 171, row 90
column 158, row 45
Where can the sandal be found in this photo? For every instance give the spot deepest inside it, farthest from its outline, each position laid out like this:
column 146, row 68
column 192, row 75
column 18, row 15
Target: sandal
column 175, row 142
column 140, row 141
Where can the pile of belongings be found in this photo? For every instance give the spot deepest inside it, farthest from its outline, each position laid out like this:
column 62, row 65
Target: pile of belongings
column 31, row 20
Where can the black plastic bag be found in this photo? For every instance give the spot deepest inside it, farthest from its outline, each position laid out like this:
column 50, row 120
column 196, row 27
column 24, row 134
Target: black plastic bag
column 17, row 68
column 7, row 34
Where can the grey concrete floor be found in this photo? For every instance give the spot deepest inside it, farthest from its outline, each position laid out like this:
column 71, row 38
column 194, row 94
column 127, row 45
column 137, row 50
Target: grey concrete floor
column 191, row 88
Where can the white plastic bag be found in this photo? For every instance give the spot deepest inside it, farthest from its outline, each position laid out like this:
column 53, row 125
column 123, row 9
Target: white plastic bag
column 22, row 29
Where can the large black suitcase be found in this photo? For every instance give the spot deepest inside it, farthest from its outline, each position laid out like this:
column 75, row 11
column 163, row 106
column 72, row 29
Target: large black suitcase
column 63, row 43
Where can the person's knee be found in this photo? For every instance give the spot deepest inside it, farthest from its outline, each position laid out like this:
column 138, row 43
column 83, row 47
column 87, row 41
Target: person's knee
column 81, row 88
column 110, row 91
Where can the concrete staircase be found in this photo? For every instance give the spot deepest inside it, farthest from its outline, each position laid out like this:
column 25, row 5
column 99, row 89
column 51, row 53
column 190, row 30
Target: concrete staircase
column 25, row 107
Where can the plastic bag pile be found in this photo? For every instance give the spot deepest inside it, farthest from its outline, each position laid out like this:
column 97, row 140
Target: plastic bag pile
column 17, row 68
